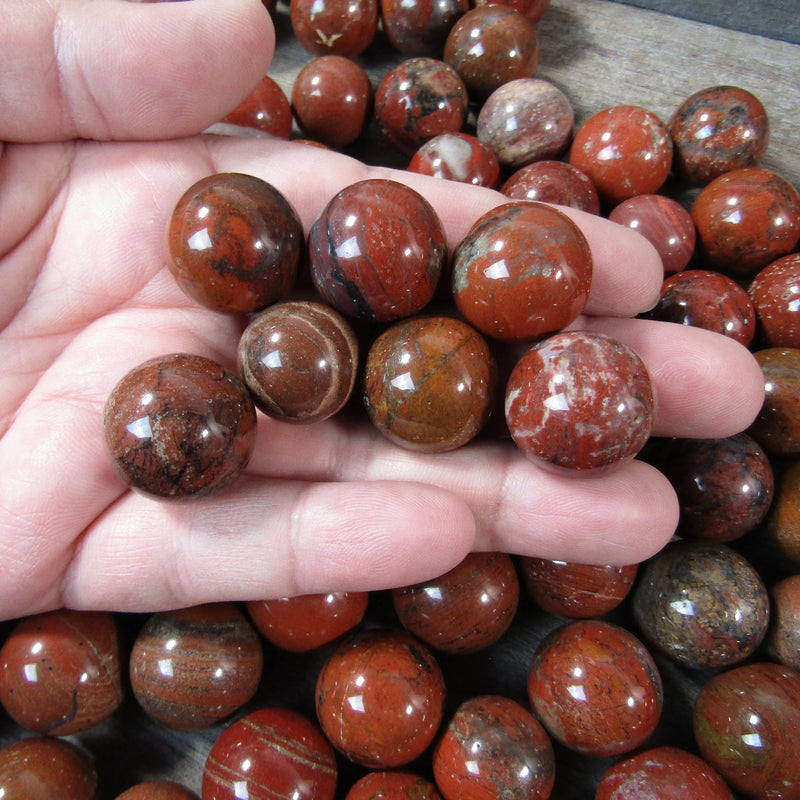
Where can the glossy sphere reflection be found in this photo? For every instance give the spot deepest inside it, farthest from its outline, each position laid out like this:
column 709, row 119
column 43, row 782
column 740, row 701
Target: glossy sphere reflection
column 595, row 688
column 380, row 698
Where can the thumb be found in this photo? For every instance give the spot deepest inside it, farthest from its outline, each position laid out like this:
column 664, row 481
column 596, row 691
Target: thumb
column 111, row 69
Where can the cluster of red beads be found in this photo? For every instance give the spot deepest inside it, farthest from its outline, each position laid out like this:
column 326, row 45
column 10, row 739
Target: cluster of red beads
column 386, row 715
column 347, row 695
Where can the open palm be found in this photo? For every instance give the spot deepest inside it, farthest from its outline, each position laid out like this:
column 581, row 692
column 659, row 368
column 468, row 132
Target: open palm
column 87, row 296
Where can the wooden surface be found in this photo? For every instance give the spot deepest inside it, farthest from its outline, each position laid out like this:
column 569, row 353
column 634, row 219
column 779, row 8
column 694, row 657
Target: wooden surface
column 600, row 54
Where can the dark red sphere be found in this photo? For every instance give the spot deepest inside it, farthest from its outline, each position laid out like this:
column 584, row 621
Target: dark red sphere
column 420, row 27
column 430, row 383
column 457, row 157
column 746, row 219
column 625, row 150
column 380, row 698
column 580, row 401
column 716, row 130
column 267, row 109
column 392, row 786
column 377, row 251
column 664, row 222
column 490, row 46
column 706, row 299
column 332, row 100
column 777, row 426
column 60, row 672
column 418, row 99
column 271, row 752
column 192, row 668
column 46, row 768
column 235, row 243
column 299, row 360
column 158, row 790
column 576, row 591
column 595, row 688
column 662, row 773
column 493, row 747
column 465, row 610
column 524, row 270
column 775, row 294
column 180, row 426
column 553, row 182
column 306, row 622
column 334, row 27
column 745, row 724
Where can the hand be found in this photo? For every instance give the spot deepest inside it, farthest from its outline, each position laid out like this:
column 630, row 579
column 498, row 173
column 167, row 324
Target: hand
column 87, row 296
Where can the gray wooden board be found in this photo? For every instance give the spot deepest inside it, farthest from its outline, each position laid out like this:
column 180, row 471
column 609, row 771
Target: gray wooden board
column 601, row 54
column 777, row 19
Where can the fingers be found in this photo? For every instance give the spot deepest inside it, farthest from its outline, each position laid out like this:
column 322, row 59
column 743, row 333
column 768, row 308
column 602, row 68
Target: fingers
column 707, row 385
column 110, row 69
column 268, row 539
column 618, row 516
column 628, row 271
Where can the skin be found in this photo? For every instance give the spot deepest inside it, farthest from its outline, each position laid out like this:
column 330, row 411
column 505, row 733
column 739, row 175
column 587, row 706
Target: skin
column 100, row 144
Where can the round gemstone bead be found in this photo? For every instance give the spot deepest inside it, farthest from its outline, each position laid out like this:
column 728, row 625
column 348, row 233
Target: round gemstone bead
column 332, row 100
column 745, row 725
column 532, row 10
column 267, row 109
column 490, row 46
column 783, row 636
column 47, row 768
column 702, row 604
column 380, row 698
column 465, row 610
column 717, row 130
column 158, row 790
column 524, row 270
column 706, row 299
column 392, row 786
column 299, row 360
column 724, row 486
column 595, row 688
column 782, row 526
column 493, row 747
column 664, row 222
column 457, row 157
column 235, row 243
column 553, row 182
column 573, row 590
column 334, row 27
column 526, row 120
column 307, row 622
column 625, row 150
column 662, row 773
column 60, row 671
column 580, row 401
column 377, row 251
column 430, row 383
column 180, row 426
column 270, row 752
column 418, row 99
column 775, row 294
column 746, row 219
column 777, row 426
column 193, row 667
column 420, row 27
